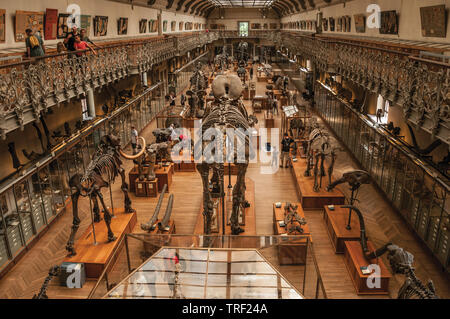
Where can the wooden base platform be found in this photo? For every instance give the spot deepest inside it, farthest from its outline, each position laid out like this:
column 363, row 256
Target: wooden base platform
column 164, row 176
column 146, row 188
column 336, row 221
column 354, row 260
column 308, row 197
column 293, row 252
column 250, row 218
column 96, row 257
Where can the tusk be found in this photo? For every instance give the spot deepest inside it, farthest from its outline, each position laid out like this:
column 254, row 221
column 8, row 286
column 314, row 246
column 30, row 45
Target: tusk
column 132, row 157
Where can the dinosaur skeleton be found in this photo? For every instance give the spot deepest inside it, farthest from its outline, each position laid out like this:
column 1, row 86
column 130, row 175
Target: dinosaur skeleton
column 42, row 294
column 292, row 220
column 320, row 146
column 227, row 111
column 401, row 262
column 196, row 93
column 101, row 172
column 222, row 60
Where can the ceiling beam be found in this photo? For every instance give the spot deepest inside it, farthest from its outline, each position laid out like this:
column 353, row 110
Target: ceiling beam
column 202, row 6
column 188, row 5
column 284, row 6
column 207, row 11
column 303, row 4
column 312, row 4
column 196, row 5
column 295, row 3
column 169, row 4
column 180, row 4
column 280, row 8
column 287, row 4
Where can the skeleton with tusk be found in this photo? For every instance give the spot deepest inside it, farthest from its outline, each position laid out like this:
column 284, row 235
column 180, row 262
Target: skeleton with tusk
column 103, row 169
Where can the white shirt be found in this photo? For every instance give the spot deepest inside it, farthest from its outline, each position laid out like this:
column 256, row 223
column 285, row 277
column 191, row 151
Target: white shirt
column 134, row 135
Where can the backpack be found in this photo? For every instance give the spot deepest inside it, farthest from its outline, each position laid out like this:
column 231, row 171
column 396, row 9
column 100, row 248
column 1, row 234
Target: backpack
column 34, row 42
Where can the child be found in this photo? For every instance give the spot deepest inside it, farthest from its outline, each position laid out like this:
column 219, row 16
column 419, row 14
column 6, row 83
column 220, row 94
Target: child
column 82, row 45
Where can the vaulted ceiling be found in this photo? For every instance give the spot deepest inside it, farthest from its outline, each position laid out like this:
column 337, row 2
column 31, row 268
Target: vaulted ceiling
column 205, row 7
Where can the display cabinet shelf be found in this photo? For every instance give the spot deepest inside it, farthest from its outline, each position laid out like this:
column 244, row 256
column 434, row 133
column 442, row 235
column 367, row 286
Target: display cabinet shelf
column 419, row 192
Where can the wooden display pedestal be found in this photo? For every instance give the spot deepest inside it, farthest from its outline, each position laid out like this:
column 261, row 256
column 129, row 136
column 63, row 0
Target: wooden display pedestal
column 151, row 247
column 261, row 78
column 180, row 166
column 164, row 176
column 250, row 218
column 308, row 197
column 146, row 188
column 354, row 260
column 132, row 176
column 293, row 252
column 269, row 120
column 96, row 257
column 336, row 221
column 188, row 122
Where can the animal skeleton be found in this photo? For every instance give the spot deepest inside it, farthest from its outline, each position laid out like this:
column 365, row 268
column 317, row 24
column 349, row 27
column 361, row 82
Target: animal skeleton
column 401, row 262
column 227, row 111
column 53, row 272
column 104, row 167
column 196, row 93
column 292, row 220
column 320, row 146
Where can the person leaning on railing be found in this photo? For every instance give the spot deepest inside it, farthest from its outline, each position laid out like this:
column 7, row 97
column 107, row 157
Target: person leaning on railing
column 35, row 44
column 82, row 45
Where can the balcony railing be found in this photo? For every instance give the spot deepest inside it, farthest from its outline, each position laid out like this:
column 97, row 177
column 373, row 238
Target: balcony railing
column 419, row 86
column 30, row 87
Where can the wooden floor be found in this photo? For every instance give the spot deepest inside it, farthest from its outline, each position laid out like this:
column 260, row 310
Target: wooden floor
column 382, row 222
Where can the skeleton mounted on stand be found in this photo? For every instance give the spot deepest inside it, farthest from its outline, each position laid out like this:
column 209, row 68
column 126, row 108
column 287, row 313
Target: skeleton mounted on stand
column 227, row 111
column 320, row 146
column 101, row 172
column 196, row 93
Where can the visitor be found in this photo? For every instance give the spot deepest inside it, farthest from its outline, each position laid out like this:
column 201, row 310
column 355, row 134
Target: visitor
column 275, row 156
column 34, row 44
column 285, row 150
column 69, row 41
column 82, row 45
column 85, row 38
column 172, row 99
column 275, row 105
column 183, row 99
column 60, row 48
column 134, row 138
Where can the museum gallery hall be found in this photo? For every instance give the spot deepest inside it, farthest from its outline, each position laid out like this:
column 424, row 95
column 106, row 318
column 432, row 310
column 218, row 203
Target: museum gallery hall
column 224, row 149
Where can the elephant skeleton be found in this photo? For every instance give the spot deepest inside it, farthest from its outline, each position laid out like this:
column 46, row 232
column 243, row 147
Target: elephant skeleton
column 227, row 111
column 101, row 172
column 320, row 146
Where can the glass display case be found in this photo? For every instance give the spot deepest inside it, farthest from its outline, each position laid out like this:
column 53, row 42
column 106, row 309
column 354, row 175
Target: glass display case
column 415, row 189
column 29, row 202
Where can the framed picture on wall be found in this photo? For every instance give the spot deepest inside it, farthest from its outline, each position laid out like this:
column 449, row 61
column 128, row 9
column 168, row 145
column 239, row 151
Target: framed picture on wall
column 100, row 26
column 180, row 26
column 86, row 23
column 433, row 21
column 332, row 24
column 165, row 26
column 122, row 26
column 173, row 26
column 143, row 26
column 28, row 20
column 325, row 24
column 348, row 24
column 51, row 24
column 2, row 25
column 360, row 23
column 389, row 22
column 339, row 25
column 63, row 28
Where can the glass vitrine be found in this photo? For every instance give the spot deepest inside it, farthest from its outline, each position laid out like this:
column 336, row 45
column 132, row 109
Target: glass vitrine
column 10, row 231
column 41, row 202
column 24, row 209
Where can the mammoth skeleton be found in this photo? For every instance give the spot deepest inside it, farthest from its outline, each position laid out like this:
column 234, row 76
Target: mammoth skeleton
column 227, row 111
column 104, row 167
column 196, row 93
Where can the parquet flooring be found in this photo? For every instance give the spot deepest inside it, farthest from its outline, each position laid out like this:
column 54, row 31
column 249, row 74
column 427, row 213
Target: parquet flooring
column 382, row 222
